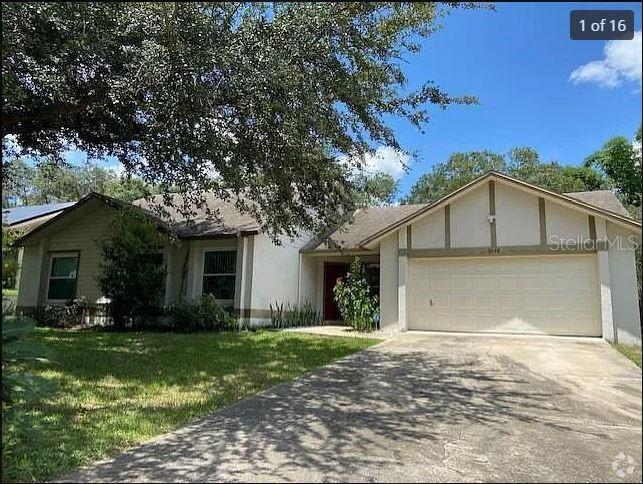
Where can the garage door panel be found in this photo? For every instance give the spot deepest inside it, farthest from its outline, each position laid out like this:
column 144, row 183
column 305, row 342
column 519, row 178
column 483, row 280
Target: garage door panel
column 543, row 295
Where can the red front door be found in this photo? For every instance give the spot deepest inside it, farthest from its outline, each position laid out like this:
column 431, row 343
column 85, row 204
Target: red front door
column 332, row 272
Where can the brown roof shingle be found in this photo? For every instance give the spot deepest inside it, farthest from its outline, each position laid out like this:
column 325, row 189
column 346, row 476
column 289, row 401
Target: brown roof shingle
column 224, row 219
column 363, row 223
column 603, row 199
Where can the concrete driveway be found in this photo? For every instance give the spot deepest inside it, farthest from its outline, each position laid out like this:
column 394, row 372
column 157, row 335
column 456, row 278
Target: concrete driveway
column 419, row 407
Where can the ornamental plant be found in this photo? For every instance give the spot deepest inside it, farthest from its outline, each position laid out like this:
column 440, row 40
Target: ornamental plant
column 358, row 307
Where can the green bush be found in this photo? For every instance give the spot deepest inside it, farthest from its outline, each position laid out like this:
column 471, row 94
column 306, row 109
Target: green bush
column 131, row 271
column 357, row 306
column 9, row 258
column 200, row 314
column 67, row 316
column 294, row 316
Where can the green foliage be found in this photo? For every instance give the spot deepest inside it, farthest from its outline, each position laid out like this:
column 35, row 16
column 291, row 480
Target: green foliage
column 459, row 169
column 218, row 96
column 376, row 189
column 18, row 350
column 51, row 183
column 522, row 162
column 9, row 258
column 66, row 316
column 357, row 306
column 621, row 161
column 201, row 314
column 130, row 272
column 17, row 178
column 294, row 316
column 117, row 390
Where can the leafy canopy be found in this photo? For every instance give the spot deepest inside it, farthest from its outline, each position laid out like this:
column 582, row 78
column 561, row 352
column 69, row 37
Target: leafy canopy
column 228, row 97
column 522, row 162
column 620, row 159
column 52, row 182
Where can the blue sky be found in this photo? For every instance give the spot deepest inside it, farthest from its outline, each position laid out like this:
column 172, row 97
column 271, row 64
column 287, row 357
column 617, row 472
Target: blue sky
column 517, row 61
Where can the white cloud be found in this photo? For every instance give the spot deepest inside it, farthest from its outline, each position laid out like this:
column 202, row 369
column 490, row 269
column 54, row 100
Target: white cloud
column 622, row 62
column 385, row 159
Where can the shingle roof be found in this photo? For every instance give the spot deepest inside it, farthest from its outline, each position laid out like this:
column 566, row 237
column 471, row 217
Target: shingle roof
column 32, row 223
column 364, row 223
column 225, row 218
column 604, row 199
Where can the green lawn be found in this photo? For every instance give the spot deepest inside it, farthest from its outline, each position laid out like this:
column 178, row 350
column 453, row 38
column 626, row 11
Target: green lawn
column 116, row 390
column 632, row 352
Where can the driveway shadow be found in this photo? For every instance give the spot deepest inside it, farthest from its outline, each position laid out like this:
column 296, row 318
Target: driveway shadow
column 339, row 422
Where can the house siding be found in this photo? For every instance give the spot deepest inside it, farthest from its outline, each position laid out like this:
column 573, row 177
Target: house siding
column 625, row 302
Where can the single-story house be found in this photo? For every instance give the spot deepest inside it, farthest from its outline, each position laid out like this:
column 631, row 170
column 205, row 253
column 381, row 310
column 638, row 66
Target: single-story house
column 497, row 255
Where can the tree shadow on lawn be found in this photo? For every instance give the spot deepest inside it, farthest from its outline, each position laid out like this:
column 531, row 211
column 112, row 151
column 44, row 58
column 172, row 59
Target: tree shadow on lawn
column 118, row 389
column 335, row 423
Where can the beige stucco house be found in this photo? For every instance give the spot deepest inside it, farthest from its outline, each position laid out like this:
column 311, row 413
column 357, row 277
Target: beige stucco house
column 498, row 255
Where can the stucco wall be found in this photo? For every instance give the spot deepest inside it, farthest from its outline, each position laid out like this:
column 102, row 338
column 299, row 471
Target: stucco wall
column 517, row 217
column 428, row 232
column 388, row 283
column 275, row 272
column 308, row 281
column 565, row 222
column 625, row 303
column 469, row 222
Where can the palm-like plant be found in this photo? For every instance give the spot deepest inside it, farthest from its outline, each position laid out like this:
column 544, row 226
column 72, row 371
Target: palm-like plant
column 16, row 350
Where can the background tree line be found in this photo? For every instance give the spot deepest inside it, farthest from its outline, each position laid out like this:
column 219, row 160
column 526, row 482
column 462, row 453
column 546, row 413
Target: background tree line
column 616, row 166
column 26, row 184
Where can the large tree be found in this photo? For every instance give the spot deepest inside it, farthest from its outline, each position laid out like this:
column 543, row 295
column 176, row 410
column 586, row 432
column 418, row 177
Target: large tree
column 458, row 170
column 521, row 162
column 620, row 159
column 259, row 98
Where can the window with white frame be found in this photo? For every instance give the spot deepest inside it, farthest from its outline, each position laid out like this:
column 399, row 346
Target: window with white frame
column 63, row 275
column 219, row 273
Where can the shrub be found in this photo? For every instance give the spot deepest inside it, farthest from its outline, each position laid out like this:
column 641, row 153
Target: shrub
column 200, row 314
column 294, row 316
column 131, row 273
column 71, row 314
column 357, row 306
column 9, row 258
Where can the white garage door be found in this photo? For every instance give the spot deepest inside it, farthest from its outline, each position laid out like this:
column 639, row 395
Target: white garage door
column 543, row 295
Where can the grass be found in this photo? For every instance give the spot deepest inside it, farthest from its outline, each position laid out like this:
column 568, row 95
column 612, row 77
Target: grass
column 632, row 352
column 10, row 292
column 116, row 390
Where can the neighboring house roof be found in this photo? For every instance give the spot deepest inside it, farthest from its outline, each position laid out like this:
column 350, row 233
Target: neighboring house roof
column 363, row 224
column 224, row 218
column 604, row 199
column 15, row 215
column 30, row 224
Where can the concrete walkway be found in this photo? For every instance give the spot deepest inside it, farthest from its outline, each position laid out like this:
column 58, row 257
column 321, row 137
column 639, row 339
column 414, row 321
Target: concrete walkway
column 419, row 407
column 337, row 330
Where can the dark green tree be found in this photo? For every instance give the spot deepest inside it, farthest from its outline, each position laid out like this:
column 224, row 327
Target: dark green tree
column 523, row 163
column 254, row 97
column 621, row 161
column 375, row 189
column 458, row 170
column 131, row 271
